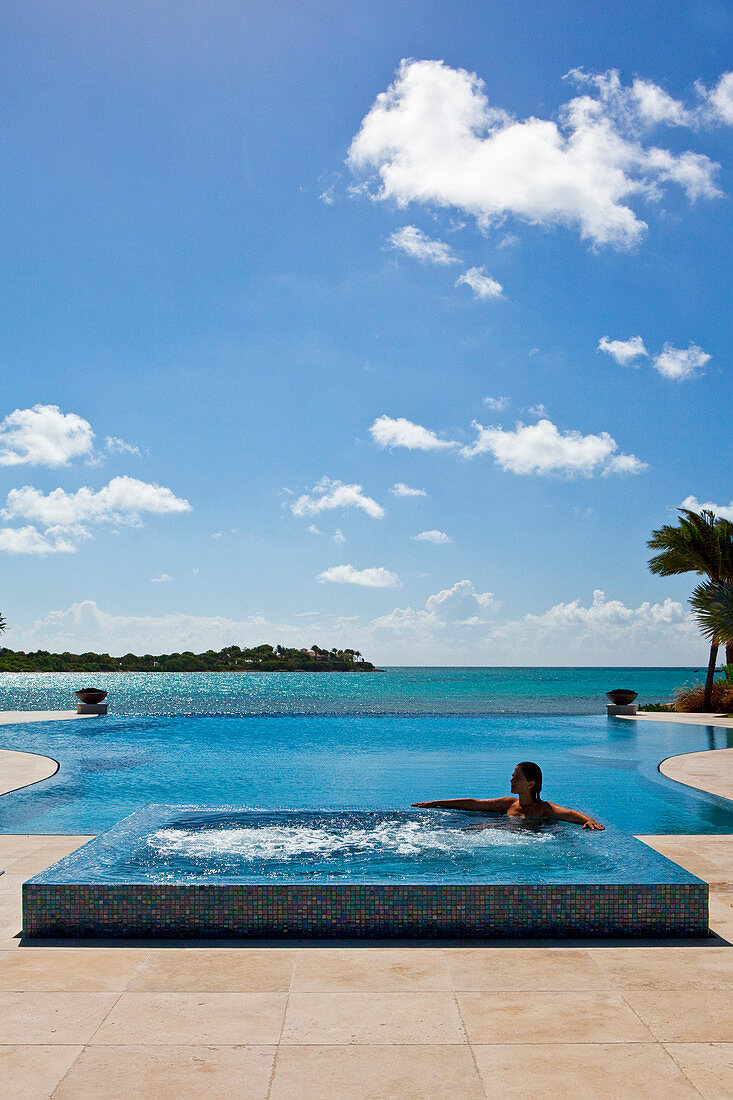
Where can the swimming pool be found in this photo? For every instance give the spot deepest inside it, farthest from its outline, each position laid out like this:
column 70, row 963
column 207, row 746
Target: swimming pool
column 187, row 870
column 112, row 766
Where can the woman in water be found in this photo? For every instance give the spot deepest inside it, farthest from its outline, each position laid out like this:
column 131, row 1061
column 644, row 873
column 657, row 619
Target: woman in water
column 524, row 802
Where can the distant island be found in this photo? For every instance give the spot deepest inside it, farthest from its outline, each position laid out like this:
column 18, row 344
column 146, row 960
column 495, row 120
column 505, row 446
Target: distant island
column 262, row 658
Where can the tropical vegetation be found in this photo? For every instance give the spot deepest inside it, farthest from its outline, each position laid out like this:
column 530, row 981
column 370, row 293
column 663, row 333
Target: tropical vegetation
column 702, row 543
column 261, row 658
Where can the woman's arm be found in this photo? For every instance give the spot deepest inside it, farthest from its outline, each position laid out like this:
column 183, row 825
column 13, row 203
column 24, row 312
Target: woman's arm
column 479, row 805
column 577, row 818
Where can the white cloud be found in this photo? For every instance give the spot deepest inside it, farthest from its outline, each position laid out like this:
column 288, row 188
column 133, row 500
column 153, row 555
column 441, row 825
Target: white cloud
column 375, row 577
column 721, row 98
column 678, row 364
column 28, row 540
column 624, row 464
column 623, row 351
column 432, row 536
column 496, row 404
column 482, row 285
column 603, row 612
column 460, row 626
column 461, row 603
column 433, row 138
column 417, row 244
column 538, row 410
column 329, row 494
column 724, row 511
column 67, row 516
column 461, row 606
column 86, row 627
column 671, row 362
column 123, row 500
column 389, row 432
column 541, row 449
column 338, row 536
column 44, row 436
column 653, row 105
column 117, row 446
column 161, row 579
column 399, row 489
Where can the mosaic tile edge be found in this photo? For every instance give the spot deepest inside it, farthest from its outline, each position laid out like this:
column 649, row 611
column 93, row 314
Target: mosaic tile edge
column 241, row 910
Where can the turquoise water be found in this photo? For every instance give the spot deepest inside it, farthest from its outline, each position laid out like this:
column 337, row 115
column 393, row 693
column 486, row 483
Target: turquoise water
column 178, row 844
column 393, row 691
column 113, row 766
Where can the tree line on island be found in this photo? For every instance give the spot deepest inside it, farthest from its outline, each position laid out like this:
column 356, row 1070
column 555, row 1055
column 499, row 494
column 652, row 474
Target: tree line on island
column 261, row 658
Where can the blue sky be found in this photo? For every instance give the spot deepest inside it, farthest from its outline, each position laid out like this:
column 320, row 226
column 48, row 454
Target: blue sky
column 265, row 262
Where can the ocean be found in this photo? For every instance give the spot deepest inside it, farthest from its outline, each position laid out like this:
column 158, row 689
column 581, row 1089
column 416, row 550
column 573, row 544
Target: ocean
column 401, row 690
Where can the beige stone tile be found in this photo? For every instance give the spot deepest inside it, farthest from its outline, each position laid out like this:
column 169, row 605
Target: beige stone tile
column 375, row 970
column 324, row 1019
column 62, row 969
column 708, row 857
column 530, row 968
column 373, row 1073
column 216, row 970
column 10, row 937
column 721, row 896
column 219, row 1019
column 597, row 1071
column 14, row 845
column 11, row 915
column 27, row 866
column 667, row 967
column 718, row 847
column 65, row 1018
column 708, row 1065
column 10, row 884
column 685, row 1016
column 550, row 1018
column 169, row 1073
column 33, row 1072
column 721, row 917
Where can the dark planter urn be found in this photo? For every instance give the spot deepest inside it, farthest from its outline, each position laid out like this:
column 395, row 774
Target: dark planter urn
column 90, row 695
column 621, row 697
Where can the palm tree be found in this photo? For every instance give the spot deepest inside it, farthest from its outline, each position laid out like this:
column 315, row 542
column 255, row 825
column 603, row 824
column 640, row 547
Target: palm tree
column 702, row 543
column 712, row 606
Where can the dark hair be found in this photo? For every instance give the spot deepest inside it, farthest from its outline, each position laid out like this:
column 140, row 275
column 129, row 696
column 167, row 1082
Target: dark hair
column 533, row 774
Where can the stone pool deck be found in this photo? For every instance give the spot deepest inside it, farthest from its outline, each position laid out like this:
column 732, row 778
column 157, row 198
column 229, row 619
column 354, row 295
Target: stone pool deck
column 290, row 1020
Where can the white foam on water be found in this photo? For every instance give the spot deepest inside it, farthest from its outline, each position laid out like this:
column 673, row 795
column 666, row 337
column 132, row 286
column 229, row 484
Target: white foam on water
column 288, row 842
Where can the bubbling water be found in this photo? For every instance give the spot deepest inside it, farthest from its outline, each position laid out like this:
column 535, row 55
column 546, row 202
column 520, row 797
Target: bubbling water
column 285, row 843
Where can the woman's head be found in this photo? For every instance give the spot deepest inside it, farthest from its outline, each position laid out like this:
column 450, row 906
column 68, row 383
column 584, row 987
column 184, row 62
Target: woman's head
column 529, row 774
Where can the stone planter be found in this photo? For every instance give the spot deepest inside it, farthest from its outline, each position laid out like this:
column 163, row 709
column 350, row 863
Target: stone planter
column 90, row 695
column 621, row 697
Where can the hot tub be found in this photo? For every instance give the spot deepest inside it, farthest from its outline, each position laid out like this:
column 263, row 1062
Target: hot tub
column 185, row 871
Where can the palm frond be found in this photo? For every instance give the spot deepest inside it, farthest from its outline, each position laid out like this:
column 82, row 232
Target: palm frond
column 712, row 606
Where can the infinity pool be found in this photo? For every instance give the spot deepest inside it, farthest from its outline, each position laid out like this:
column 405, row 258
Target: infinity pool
column 112, row 766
